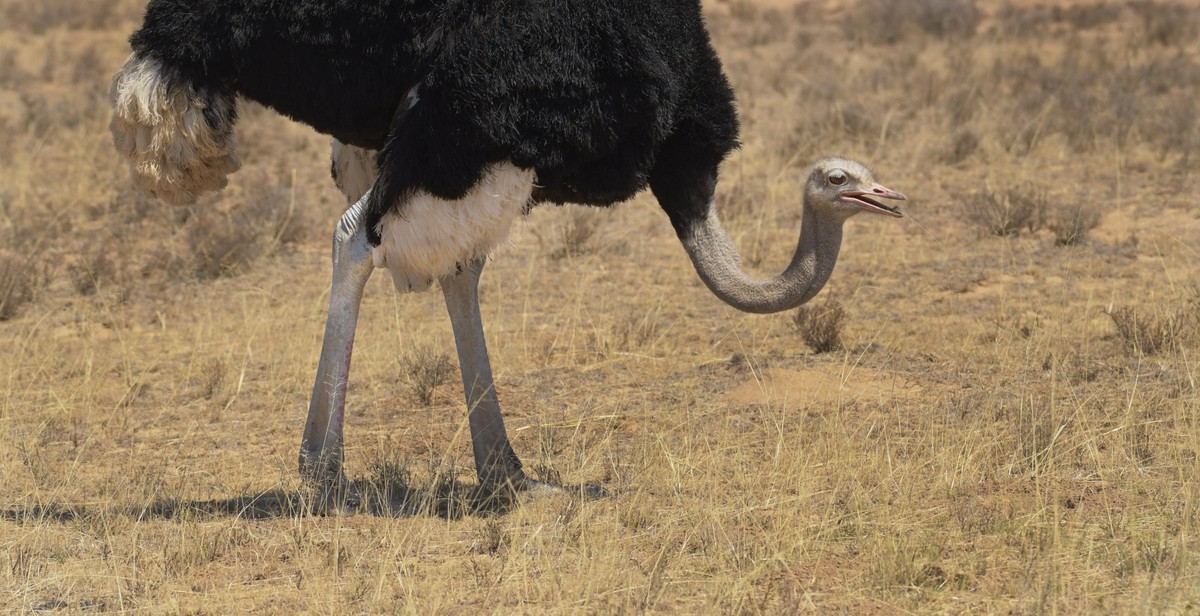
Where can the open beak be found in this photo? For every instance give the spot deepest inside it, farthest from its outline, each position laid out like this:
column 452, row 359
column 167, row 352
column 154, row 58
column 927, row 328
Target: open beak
column 867, row 200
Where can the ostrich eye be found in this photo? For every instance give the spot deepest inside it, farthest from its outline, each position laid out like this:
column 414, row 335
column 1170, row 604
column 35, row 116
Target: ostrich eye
column 837, row 177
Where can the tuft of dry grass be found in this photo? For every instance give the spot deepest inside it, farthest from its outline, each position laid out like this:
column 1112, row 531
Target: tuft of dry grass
column 426, row 370
column 821, row 326
column 963, row 145
column 577, row 233
column 891, row 21
column 1007, row 211
column 93, row 271
column 1167, row 23
column 42, row 17
column 1071, row 222
column 388, row 487
column 1148, row 331
column 251, row 223
column 20, row 277
column 220, row 243
column 213, row 377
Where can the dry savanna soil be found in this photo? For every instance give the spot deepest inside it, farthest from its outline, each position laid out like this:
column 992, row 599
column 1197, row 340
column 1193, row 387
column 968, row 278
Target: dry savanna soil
column 992, row 407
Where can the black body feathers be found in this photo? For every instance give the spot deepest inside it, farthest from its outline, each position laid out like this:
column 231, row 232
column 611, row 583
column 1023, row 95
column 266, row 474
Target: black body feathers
column 599, row 97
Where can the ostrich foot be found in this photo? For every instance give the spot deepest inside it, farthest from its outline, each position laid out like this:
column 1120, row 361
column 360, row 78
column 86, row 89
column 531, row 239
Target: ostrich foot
column 525, row 489
column 326, row 489
column 335, row 500
column 589, row 491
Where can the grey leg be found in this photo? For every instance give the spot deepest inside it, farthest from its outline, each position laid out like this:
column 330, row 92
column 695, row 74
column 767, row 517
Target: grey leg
column 496, row 465
column 321, row 449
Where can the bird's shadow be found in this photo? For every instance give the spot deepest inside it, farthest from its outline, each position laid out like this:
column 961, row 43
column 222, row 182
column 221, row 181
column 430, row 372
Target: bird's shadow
column 447, row 499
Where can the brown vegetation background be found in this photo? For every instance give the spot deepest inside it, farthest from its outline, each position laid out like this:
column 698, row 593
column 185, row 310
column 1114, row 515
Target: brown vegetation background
column 1004, row 416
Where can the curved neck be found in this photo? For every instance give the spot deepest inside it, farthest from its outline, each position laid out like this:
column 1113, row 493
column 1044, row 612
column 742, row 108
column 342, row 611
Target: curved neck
column 720, row 266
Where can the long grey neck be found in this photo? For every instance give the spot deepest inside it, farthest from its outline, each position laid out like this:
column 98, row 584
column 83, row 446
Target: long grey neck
column 720, row 266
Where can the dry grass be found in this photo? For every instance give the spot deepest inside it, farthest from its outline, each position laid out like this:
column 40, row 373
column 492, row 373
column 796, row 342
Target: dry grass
column 821, row 325
column 991, row 441
column 427, row 370
column 1071, row 222
column 21, row 275
column 891, row 21
column 1148, row 332
column 24, row 268
column 1009, row 211
column 575, row 234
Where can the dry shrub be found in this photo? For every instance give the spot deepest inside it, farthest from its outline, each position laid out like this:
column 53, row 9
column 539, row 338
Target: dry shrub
column 1075, row 119
column 961, row 104
column 491, row 537
column 92, row 272
column 1168, row 24
column 741, row 10
column 821, row 326
column 576, row 233
column 262, row 217
column 628, row 334
column 1174, row 126
column 11, row 74
column 444, row 496
column 87, row 65
column 1007, row 212
column 24, row 270
column 754, row 27
column 890, row 21
column 1164, row 112
column 1148, row 331
column 387, row 489
column 1094, row 96
column 39, row 17
column 1025, row 21
column 1087, row 16
column 825, row 122
column 853, row 120
column 961, row 147
column 1140, row 442
column 220, row 243
column 128, row 207
column 1071, row 222
column 212, row 377
column 1065, row 96
column 744, row 198
column 1144, row 99
column 271, row 206
column 426, row 370
column 1037, row 432
column 20, row 277
column 635, row 333
column 49, row 114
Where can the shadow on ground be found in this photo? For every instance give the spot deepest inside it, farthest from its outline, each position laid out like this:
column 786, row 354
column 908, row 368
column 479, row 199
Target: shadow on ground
column 446, row 499
column 443, row 501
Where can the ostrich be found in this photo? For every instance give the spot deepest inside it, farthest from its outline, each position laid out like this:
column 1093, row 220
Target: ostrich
column 450, row 119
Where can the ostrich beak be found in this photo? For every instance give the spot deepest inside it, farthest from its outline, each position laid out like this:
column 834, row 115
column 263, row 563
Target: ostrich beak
column 866, row 199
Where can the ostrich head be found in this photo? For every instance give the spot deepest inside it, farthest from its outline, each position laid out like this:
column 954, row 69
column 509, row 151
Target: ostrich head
column 836, row 189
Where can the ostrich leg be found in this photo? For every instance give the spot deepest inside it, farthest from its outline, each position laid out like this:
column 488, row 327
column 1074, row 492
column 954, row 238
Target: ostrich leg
column 321, row 449
column 496, row 464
